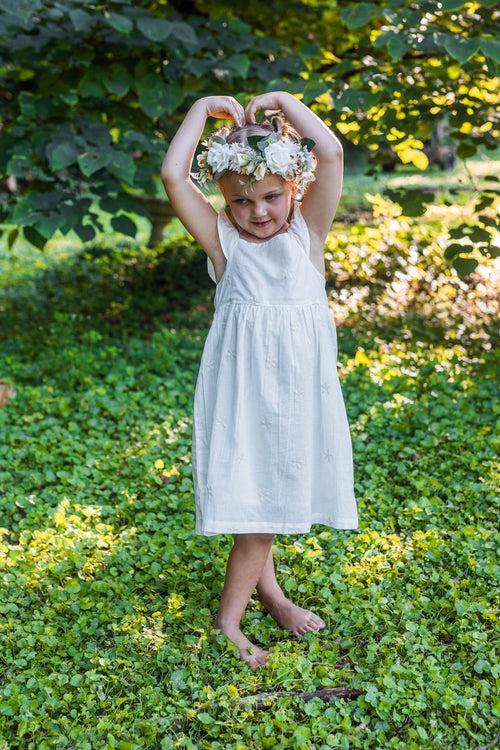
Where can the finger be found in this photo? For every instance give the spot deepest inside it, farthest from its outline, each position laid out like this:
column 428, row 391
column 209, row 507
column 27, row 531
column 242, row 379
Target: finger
column 238, row 116
column 250, row 112
column 241, row 114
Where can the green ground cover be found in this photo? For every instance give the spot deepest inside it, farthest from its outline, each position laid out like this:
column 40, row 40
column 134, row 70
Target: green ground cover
column 106, row 595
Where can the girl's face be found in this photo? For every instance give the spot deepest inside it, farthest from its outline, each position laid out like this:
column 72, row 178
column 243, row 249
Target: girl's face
column 260, row 208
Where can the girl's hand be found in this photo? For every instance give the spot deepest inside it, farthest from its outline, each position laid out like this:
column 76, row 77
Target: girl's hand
column 224, row 107
column 270, row 101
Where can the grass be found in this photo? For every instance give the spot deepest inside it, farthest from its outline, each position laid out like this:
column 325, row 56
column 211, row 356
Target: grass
column 107, row 597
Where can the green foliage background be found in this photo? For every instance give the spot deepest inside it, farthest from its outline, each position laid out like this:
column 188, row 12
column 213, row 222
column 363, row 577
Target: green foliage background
column 92, row 93
column 107, row 599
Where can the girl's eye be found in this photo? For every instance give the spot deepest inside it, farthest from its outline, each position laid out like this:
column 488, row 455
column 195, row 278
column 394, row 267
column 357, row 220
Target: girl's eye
column 243, row 200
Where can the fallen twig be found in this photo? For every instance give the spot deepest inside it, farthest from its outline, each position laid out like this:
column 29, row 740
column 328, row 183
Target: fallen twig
column 260, row 699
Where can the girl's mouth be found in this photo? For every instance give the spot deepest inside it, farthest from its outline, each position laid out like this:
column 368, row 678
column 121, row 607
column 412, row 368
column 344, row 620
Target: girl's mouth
column 261, row 223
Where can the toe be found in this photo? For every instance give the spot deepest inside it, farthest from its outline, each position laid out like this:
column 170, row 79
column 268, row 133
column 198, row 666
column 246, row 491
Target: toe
column 318, row 622
column 254, row 661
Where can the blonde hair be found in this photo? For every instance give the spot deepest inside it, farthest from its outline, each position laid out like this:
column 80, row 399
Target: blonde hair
column 274, row 124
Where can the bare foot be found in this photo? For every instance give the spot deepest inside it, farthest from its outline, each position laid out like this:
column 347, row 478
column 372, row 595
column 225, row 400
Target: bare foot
column 291, row 617
column 249, row 652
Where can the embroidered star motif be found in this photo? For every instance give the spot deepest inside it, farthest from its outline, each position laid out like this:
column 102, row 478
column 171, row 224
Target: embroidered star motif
column 250, row 323
column 210, row 490
column 210, row 364
column 230, row 354
column 265, row 494
column 296, row 463
column 286, row 274
column 325, row 388
column 298, row 392
column 266, row 421
column 328, row 454
column 221, row 422
column 270, row 361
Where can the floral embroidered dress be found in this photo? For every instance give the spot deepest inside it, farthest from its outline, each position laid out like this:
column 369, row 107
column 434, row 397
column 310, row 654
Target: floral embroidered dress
column 271, row 446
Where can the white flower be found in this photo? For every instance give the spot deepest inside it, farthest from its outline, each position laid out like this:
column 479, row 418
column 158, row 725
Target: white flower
column 290, row 160
column 250, row 168
column 307, row 161
column 243, row 160
column 260, row 171
column 218, row 157
column 280, row 156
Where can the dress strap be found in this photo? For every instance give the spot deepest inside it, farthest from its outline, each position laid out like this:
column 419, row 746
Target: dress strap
column 227, row 235
column 300, row 230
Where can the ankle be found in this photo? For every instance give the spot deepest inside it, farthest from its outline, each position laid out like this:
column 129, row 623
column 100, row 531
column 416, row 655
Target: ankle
column 225, row 622
column 272, row 598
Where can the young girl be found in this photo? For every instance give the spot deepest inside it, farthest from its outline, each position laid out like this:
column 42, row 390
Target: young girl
column 271, row 442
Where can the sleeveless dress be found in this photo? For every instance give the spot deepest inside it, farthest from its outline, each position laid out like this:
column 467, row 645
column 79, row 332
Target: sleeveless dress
column 271, row 446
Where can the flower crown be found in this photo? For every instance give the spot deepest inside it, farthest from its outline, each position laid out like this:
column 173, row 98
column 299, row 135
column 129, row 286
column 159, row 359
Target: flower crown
column 268, row 154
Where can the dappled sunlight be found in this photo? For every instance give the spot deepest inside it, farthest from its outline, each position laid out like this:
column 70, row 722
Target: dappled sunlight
column 308, row 549
column 393, row 273
column 397, row 403
column 109, row 598
column 106, row 346
column 145, row 630
column 77, row 544
column 403, row 362
column 160, row 440
column 148, row 629
column 383, row 555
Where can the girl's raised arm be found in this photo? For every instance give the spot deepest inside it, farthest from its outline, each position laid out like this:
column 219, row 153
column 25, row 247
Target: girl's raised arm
column 179, row 157
column 188, row 202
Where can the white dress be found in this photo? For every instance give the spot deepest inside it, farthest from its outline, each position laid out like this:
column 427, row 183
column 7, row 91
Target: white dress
column 271, row 446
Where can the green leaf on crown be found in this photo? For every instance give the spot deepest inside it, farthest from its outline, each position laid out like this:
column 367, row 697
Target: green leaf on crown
column 308, row 143
column 259, row 142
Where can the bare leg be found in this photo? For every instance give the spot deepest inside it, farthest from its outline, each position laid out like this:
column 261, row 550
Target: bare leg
column 244, row 567
column 286, row 613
